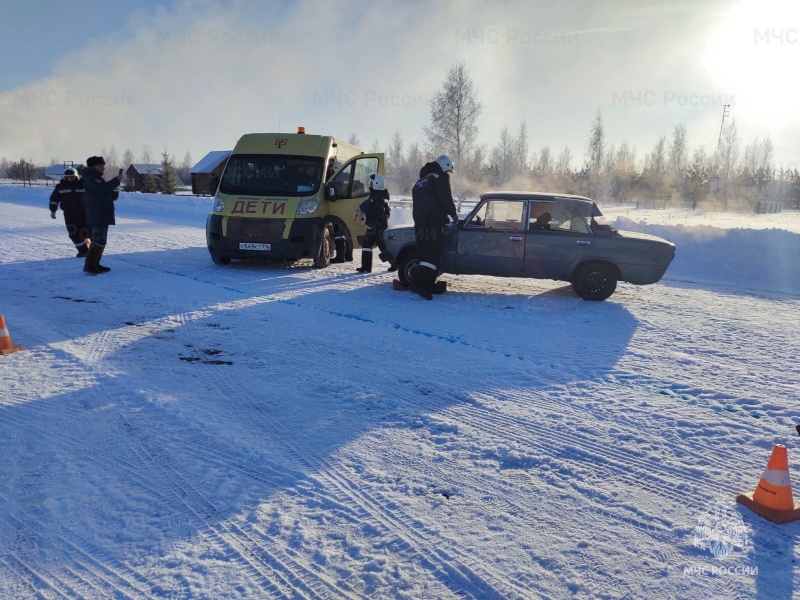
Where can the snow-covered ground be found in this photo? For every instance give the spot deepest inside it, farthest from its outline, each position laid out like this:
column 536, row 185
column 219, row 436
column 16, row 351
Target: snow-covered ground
column 177, row 429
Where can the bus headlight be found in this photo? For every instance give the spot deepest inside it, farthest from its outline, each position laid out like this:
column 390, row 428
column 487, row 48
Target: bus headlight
column 218, row 205
column 308, row 207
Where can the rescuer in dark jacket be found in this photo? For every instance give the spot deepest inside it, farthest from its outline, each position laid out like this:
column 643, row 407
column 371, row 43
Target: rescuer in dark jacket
column 100, row 196
column 68, row 193
column 374, row 213
column 432, row 205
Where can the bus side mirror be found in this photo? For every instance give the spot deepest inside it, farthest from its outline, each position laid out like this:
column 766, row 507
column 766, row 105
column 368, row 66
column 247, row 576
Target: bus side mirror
column 213, row 184
column 330, row 193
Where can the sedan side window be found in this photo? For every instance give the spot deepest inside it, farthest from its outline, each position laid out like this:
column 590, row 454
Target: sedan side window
column 504, row 215
column 540, row 216
column 479, row 218
column 571, row 216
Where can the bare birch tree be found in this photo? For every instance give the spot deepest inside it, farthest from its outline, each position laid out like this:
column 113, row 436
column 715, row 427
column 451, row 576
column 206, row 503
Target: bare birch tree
column 596, row 147
column 454, row 113
column 678, row 150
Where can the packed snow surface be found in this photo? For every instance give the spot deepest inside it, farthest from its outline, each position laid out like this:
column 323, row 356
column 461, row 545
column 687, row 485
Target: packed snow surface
column 178, row 429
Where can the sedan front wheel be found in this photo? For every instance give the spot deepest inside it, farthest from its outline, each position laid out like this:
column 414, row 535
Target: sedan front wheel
column 408, row 261
column 594, row 281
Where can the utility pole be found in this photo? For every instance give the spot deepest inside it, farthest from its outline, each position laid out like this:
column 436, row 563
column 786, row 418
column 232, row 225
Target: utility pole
column 726, row 110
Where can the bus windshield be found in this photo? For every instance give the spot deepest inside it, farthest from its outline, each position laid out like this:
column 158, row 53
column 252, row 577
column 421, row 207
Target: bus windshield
column 272, row 175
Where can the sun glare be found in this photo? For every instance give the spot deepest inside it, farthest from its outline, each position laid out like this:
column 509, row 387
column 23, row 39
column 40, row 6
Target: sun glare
column 753, row 53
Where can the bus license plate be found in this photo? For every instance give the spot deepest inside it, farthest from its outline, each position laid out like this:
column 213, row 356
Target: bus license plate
column 246, row 246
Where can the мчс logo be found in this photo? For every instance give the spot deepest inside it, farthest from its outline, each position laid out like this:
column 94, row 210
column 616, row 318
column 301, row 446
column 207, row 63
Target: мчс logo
column 720, row 529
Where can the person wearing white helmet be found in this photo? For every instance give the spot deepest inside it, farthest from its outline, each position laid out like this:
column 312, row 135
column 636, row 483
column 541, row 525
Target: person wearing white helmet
column 374, row 212
column 432, row 205
column 68, row 193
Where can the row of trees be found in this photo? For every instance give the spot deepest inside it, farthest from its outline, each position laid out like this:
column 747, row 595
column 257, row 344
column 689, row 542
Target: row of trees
column 670, row 173
column 168, row 179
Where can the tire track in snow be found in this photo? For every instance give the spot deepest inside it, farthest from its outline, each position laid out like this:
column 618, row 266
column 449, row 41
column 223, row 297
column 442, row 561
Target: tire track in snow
column 407, row 536
column 250, row 553
column 165, row 486
column 98, row 574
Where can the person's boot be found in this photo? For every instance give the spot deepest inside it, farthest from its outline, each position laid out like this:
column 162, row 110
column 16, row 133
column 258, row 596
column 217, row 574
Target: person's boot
column 83, row 250
column 366, row 261
column 340, row 243
column 420, row 281
column 100, row 267
column 386, row 257
column 440, row 287
column 92, row 259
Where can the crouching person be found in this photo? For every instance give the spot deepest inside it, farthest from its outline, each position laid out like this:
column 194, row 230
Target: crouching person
column 68, row 194
column 432, row 205
column 375, row 211
column 100, row 196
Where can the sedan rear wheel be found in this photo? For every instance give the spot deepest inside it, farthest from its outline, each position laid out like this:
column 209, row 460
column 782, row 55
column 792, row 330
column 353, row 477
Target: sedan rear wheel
column 594, row 281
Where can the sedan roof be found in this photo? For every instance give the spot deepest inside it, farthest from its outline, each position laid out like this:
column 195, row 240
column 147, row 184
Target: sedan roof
column 551, row 196
column 533, row 196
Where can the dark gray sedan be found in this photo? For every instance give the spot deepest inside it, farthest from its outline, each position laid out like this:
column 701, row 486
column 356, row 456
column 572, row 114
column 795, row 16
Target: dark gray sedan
column 543, row 236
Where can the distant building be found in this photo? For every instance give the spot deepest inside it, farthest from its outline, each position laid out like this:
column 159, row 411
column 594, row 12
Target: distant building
column 212, row 164
column 56, row 172
column 136, row 174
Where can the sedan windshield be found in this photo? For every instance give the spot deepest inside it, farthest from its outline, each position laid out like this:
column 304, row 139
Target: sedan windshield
column 272, row 175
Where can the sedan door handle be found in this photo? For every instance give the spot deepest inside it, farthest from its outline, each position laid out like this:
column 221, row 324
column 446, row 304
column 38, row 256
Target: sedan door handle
column 583, row 242
column 515, row 238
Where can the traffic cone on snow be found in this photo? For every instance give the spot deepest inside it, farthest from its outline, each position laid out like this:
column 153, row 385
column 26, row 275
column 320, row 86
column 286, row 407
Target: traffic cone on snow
column 6, row 345
column 773, row 496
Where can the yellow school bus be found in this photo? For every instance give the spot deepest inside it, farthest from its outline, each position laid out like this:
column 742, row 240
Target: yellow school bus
column 290, row 196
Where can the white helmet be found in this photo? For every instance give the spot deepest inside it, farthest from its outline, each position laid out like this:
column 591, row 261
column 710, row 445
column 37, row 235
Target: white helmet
column 446, row 163
column 377, row 182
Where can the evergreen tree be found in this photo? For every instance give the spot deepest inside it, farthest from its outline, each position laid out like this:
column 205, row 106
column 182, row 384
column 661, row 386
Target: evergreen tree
column 169, row 178
column 150, row 183
column 698, row 177
column 16, row 170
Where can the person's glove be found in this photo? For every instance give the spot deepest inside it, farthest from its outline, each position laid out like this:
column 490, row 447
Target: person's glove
column 52, row 214
column 455, row 218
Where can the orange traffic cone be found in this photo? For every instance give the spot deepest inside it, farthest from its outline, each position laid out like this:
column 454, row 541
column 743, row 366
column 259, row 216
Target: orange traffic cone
column 773, row 496
column 6, row 345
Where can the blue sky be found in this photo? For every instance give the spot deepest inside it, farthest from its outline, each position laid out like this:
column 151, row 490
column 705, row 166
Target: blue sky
column 48, row 30
column 194, row 75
